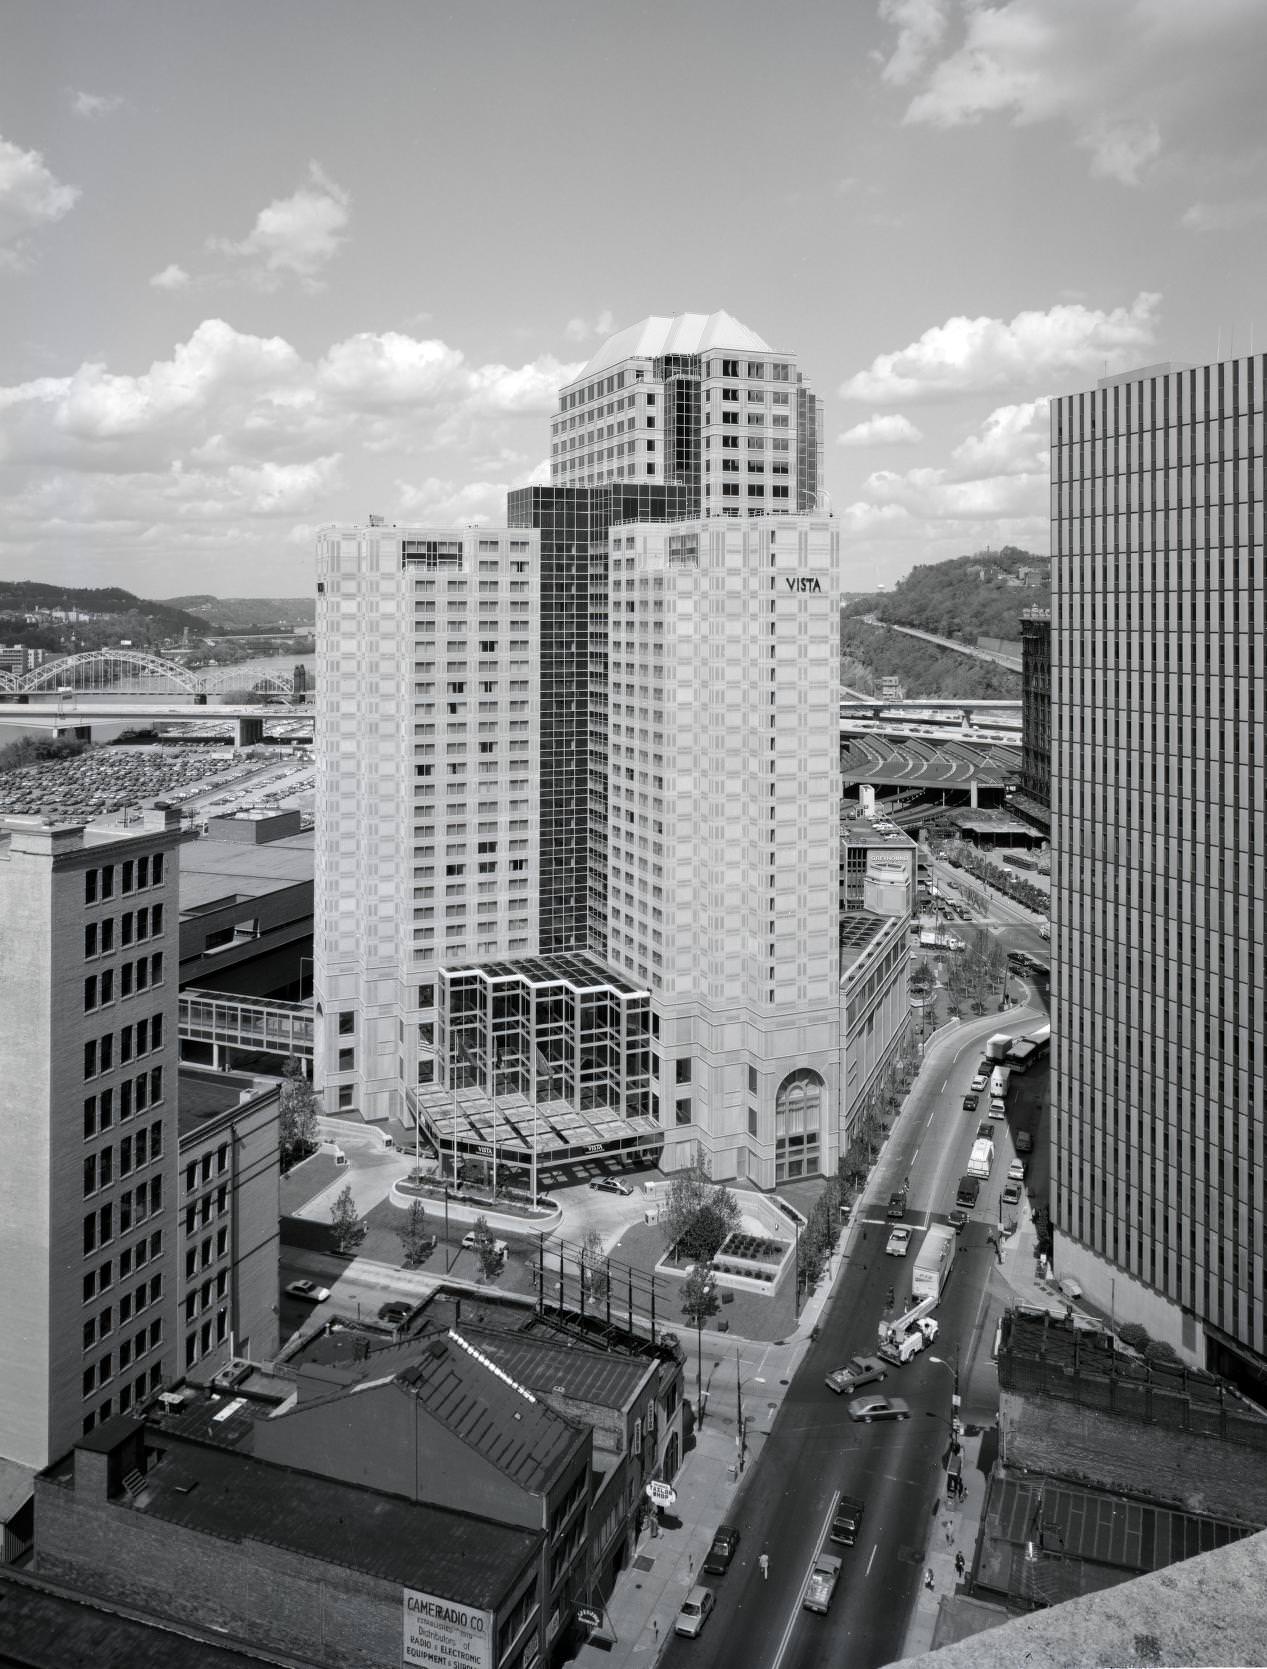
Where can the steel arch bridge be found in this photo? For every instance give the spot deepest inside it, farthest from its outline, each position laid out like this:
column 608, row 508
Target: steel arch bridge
column 131, row 672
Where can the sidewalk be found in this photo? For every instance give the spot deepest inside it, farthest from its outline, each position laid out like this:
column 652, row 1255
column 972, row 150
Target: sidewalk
column 953, row 1532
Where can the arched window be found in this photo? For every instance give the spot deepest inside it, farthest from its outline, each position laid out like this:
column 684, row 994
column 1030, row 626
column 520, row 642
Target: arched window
column 798, row 1119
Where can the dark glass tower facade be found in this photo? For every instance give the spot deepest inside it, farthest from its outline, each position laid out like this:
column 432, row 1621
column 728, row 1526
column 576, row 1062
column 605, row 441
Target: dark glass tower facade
column 573, row 523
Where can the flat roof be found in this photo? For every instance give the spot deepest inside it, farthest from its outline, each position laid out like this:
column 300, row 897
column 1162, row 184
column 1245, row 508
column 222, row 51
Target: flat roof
column 548, row 1365
column 212, row 871
column 580, row 972
column 859, row 930
column 241, row 1498
column 202, row 1096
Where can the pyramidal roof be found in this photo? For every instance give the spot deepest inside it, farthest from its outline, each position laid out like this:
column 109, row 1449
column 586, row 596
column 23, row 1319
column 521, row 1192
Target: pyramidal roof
column 684, row 333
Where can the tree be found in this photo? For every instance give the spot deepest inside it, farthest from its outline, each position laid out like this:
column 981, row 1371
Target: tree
column 699, row 1214
column 490, row 1259
column 414, row 1238
column 297, row 1133
column 699, row 1301
column 349, row 1229
column 594, row 1270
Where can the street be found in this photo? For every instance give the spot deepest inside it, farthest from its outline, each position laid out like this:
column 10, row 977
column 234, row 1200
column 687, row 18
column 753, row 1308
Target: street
column 815, row 1450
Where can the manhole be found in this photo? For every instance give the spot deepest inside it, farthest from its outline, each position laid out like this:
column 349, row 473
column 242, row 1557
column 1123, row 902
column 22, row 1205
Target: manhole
column 643, row 1563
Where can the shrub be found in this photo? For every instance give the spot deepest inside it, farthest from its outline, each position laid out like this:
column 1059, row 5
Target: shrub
column 1157, row 1350
column 1131, row 1333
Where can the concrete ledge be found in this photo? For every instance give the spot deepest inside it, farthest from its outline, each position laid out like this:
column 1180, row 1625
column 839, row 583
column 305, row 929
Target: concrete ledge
column 466, row 1212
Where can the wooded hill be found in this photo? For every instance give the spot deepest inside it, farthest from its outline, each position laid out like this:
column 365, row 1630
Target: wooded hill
column 966, row 598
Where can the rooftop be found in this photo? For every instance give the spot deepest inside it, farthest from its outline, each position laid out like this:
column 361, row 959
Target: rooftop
column 552, row 1366
column 683, row 333
column 859, row 930
column 578, row 972
column 242, row 1499
column 204, row 1095
column 219, row 871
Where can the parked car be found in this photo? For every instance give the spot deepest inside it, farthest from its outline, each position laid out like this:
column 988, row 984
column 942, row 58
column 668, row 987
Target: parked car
column 1024, row 1142
column 1016, row 1171
column 695, row 1612
column 899, row 1241
column 395, row 1312
column 725, row 1541
column 985, row 1131
column 867, row 1409
column 610, row 1185
column 857, row 1372
column 469, row 1242
column 1012, row 1194
column 309, row 1291
column 970, row 1103
column 979, row 1082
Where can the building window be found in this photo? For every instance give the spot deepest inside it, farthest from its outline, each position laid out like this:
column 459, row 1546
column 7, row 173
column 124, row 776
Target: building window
column 347, row 1022
column 347, row 1060
column 798, row 1112
column 682, row 1110
column 682, row 1070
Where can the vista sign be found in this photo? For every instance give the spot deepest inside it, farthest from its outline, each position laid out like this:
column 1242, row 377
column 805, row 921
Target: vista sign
column 440, row 1634
column 803, row 582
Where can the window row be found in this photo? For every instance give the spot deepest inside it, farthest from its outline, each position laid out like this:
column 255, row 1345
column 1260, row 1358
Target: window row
column 143, row 1147
column 131, row 1304
column 213, row 1247
column 144, row 1384
column 219, row 1160
column 101, row 1279
column 133, row 875
column 122, row 1215
column 101, row 1372
column 134, row 927
column 127, row 979
column 133, row 1095
column 141, row 1038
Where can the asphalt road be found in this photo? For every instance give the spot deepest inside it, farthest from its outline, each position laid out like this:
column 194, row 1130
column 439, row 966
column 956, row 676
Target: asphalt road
column 815, row 1450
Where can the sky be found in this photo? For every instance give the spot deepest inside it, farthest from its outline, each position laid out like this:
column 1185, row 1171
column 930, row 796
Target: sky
column 271, row 264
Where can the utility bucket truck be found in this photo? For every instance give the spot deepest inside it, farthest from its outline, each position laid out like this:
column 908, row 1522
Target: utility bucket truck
column 908, row 1334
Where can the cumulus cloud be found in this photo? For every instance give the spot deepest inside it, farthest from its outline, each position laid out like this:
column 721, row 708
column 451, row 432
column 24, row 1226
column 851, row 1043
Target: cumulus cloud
column 1014, row 440
column 31, row 197
column 293, row 237
column 172, row 277
column 1120, row 79
column 231, row 434
column 90, row 106
column 581, row 330
column 888, row 429
column 921, row 27
column 1030, row 351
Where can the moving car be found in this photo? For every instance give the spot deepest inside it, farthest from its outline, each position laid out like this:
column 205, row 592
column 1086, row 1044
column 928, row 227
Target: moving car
column 897, row 1204
column 979, row 1082
column 899, row 1241
column 957, row 1219
column 857, row 1372
column 395, row 1312
column 610, row 1185
column 846, row 1520
column 867, row 1409
column 725, row 1541
column 970, row 1103
column 499, row 1246
column 821, row 1584
column 309, row 1291
column 985, row 1131
column 1016, row 1171
column 1012, row 1194
column 694, row 1613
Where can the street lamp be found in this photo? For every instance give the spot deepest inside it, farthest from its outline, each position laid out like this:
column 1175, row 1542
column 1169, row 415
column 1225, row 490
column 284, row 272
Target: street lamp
column 956, row 1424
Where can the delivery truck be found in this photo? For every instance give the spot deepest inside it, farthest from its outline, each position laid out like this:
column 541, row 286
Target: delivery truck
column 932, row 1265
column 997, row 1047
column 981, row 1159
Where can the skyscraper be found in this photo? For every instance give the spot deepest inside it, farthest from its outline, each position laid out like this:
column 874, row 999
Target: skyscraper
column 426, row 741
column 88, row 1099
column 1158, row 853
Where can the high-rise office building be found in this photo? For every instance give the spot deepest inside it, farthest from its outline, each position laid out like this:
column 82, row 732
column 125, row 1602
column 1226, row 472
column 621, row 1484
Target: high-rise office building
column 1158, row 853
column 426, row 741
column 723, row 830
column 685, row 674
column 88, row 991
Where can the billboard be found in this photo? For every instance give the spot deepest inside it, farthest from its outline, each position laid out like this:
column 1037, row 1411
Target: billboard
column 441, row 1634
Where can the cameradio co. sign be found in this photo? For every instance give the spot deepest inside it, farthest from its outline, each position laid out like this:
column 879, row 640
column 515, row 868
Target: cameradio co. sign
column 440, row 1634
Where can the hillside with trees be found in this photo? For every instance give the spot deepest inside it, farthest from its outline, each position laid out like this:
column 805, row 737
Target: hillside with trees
column 966, row 598
column 251, row 614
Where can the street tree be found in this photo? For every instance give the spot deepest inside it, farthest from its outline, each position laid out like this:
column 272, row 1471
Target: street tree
column 699, row 1302
column 486, row 1249
column 349, row 1227
column 699, row 1213
column 297, row 1133
column 414, row 1237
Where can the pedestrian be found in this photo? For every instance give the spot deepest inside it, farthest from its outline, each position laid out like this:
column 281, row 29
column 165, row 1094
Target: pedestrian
column 928, row 1579
column 764, row 1562
column 690, row 1564
column 655, row 1631
column 960, row 1566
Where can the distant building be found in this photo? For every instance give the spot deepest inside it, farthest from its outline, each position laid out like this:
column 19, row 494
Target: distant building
column 1158, row 868
column 89, row 1252
column 246, row 891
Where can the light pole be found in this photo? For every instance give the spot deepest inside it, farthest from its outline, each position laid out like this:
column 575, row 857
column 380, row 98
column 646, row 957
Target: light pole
column 956, row 1424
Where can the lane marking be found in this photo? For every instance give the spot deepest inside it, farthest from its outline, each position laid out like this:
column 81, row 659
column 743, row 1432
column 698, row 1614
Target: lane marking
column 930, row 1119
column 945, row 1083
column 871, row 1560
column 800, row 1590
